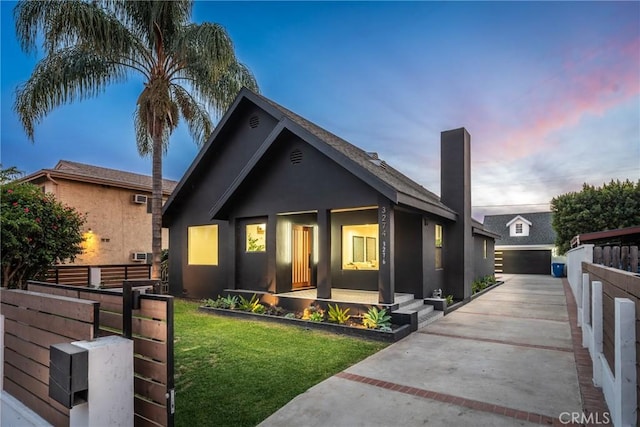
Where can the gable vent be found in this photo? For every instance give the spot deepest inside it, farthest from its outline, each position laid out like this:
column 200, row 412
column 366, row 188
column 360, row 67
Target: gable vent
column 254, row 122
column 295, row 157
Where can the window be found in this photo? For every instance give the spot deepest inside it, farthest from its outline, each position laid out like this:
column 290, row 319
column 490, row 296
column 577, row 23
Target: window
column 256, row 237
column 360, row 247
column 519, row 228
column 438, row 243
column 203, row 245
column 484, row 249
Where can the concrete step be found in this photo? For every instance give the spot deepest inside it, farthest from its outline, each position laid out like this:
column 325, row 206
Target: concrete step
column 430, row 318
column 403, row 299
column 415, row 304
column 424, row 311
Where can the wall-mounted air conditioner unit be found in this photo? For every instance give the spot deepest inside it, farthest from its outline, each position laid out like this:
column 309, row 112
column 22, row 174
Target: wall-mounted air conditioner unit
column 139, row 198
column 139, row 256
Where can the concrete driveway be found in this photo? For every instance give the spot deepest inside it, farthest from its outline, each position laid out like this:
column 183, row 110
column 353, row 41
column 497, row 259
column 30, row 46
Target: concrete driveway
column 504, row 359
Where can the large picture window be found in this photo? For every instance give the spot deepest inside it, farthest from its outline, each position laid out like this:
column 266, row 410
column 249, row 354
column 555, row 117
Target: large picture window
column 203, row 245
column 360, row 247
column 256, row 237
column 438, row 244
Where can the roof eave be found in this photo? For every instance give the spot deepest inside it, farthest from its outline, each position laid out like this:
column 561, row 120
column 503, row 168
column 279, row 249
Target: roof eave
column 483, row 232
column 50, row 173
column 425, row 206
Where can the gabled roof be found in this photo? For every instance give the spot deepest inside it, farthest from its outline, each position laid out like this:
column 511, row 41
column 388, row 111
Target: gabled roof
column 478, row 228
column 379, row 175
column 519, row 218
column 540, row 229
column 82, row 172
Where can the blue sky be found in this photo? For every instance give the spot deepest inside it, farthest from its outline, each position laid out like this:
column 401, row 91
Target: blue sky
column 549, row 91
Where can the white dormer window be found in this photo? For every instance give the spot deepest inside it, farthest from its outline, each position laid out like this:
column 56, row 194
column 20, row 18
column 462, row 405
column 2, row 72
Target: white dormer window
column 519, row 227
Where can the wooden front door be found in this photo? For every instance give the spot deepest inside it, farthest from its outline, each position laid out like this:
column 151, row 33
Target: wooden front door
column 301, row 247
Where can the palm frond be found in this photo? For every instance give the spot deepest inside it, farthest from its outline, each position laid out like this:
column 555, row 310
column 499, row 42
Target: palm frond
column 30, row 17
column 206, row 46
column 195, row 114
column 142, row 17
column 221, row 92
column 65, row 76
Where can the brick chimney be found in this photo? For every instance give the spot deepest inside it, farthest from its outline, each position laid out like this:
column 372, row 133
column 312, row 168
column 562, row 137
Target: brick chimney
column 455, row 192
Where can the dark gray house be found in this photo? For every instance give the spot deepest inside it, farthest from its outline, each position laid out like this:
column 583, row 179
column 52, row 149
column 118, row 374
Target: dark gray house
column 526, row 244
column 274, row 204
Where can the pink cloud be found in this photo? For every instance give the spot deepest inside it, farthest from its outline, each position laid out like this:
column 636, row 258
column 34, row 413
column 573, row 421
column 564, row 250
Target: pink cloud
column 589, row 82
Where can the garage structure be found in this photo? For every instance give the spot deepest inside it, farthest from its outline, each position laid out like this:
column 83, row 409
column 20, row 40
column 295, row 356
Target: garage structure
column 526, row 244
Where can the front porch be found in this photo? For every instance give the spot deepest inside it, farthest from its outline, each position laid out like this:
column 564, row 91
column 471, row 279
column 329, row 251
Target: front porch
column 349, row 296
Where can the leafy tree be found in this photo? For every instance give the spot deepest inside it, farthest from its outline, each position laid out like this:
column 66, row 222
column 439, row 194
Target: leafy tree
column 37, row 232
column 90, row 44
column 614, row 205
column 9, row 174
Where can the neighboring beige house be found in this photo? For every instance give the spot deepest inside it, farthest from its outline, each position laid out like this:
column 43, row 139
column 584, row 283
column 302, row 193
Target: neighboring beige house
column 118, row 227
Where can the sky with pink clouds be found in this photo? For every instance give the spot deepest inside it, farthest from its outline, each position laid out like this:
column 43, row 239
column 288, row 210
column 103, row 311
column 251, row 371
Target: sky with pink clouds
column 550, row 91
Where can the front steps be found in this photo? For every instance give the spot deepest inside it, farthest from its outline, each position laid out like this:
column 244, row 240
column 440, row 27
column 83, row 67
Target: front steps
column 426, row 314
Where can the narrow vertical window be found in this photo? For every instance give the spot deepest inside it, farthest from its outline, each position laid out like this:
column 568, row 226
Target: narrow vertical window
column 203, row 245
column 438, row 244
column 256, row 237
column 484, row 248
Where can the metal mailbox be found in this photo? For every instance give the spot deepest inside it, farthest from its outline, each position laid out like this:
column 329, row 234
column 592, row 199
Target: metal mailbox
column 68, row 374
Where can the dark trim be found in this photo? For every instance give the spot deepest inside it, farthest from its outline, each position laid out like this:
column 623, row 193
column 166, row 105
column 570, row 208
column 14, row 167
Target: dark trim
column 170, row 357
column 483, row 232
column 426, row 206
column 127, row 310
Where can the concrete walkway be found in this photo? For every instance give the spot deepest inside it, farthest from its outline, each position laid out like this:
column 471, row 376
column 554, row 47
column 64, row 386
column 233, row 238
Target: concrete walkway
column 504, row 359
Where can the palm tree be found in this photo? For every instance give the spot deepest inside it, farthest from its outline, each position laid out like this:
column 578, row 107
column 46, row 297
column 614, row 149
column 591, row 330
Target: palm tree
column 91, row 44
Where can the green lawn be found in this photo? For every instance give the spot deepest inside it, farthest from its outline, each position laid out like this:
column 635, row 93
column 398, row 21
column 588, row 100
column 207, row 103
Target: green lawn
column 234, row 372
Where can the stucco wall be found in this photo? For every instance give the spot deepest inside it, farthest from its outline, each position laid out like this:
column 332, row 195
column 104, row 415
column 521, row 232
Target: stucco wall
column 118, row 226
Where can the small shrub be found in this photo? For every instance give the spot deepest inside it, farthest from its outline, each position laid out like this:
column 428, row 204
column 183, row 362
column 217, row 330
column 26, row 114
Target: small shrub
column 290, row 316
column 209, row 302
column 253, row 305
column 338, row 315
column 376, row 319
column 230, row 302
column 306, row 315
column 317, row 316
column 449, row 299
column 274, row 310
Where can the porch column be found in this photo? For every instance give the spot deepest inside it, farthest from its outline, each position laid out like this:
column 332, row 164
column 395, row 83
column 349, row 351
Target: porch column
column 272, row 238
column 324, row 255
column 386, row 263
column 231, row 254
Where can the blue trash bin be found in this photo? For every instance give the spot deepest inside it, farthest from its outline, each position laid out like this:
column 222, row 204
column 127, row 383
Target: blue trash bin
column 557, row 269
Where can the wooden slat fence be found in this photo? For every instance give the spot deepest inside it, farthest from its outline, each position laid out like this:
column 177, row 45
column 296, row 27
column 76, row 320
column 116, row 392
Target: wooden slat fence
column 111, row 275
column 616, row 285
column 33, row 322
column 620, row 257
column 150, row 326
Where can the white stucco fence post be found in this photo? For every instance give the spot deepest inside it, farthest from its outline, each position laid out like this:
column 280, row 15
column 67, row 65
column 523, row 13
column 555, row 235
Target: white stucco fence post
column 586, row 310
column 110, row 396
column 574, row 273
column 596, row 328
column 624, row 410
